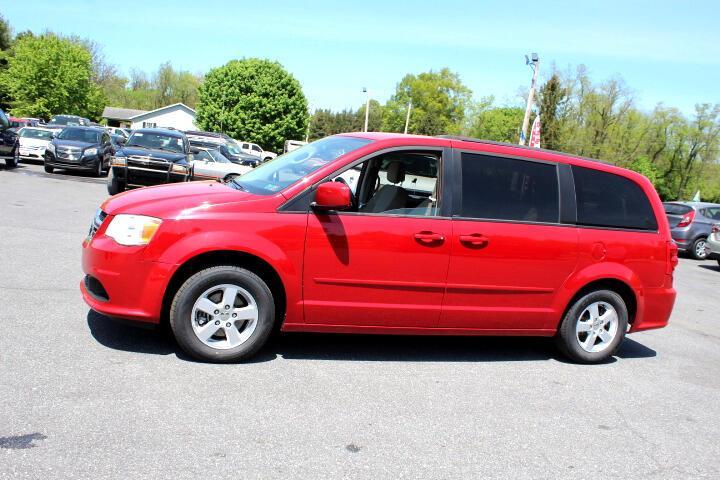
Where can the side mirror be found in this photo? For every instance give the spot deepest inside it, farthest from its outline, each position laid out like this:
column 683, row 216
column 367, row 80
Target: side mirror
column 121, row 140
column 194, row 150
column 332, row 196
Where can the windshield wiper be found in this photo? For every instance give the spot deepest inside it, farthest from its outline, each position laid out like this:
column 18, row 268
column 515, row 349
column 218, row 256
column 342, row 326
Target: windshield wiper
column 239, row 187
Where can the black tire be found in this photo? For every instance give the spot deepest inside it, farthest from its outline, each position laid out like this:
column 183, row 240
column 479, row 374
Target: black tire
column 699, row 244
column 184, row 300
column 48, row 168
column 98, row 172
column 567, row 340
column 16, row 156
column 114, row 186
column 12, row 162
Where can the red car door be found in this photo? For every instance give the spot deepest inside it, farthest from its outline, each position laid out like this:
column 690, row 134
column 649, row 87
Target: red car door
column 509, row 253
column 385, row 263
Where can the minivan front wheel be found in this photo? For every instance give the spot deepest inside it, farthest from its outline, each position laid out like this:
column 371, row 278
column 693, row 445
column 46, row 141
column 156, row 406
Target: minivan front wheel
column 594, row 327
column 222, row 314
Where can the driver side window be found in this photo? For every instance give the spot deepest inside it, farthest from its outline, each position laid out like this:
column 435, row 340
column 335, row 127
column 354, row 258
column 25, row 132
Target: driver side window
column 396, row 183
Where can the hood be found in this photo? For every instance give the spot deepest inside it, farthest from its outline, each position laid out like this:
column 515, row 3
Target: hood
column 176, row 199
column 59, row 142
column 41, row 142
column 149, row 152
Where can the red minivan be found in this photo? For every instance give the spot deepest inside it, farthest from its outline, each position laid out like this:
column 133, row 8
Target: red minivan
column 390, row 234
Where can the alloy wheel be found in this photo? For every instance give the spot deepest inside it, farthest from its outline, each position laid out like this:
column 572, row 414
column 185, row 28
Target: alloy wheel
column 597, row 327
column 224, row 316
column 700, row 249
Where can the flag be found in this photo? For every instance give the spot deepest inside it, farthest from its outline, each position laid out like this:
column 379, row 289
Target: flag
column 535, row 133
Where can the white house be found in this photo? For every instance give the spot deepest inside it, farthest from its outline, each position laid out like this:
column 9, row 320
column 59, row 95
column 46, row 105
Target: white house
column 178, row 116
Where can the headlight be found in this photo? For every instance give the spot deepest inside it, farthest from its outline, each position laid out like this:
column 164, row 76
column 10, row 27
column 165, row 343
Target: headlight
column 179, row 168
column 132, row 229
column 119, row 161
column 90, row 152
column 51, row 147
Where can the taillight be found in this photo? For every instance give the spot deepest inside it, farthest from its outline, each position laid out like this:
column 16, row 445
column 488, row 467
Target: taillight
column 687, row 219
column 715, row 228
column 672, row 257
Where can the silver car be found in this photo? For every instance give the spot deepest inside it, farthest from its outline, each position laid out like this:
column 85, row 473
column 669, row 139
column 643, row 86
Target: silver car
column 712, row 245
column 690, row 225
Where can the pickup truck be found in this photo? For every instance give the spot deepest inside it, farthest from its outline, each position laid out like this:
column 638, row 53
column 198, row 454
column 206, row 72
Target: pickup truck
column 8, row 141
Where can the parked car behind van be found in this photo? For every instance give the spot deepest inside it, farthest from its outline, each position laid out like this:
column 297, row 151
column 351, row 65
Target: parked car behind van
column 32, row 143
column 151, row 156
column 8, row 141
column 712, row 246
column 690, row 224
column 86, row 149
column 440, row 236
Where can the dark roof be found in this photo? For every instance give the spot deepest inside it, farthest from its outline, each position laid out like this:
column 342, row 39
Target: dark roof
column 115, row 113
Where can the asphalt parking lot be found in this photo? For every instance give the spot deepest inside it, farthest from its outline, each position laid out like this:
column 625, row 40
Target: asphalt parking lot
column 83, row 397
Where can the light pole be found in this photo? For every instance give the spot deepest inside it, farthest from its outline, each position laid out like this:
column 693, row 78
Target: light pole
column 367, row 107
column 407, row 117
column 534, row 63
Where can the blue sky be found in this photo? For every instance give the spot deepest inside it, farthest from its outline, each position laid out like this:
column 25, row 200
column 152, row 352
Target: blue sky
column 667, row 51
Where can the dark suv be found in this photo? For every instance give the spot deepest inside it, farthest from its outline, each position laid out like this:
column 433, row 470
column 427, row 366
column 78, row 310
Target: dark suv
column 8, row 141
column 80, row 148
column 690, row 225
column 151, row 156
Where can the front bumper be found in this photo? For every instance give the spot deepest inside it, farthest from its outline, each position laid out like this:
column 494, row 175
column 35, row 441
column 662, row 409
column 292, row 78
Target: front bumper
column 26, row 153
column 147, row 175
column 131, row 287
column 85, row 163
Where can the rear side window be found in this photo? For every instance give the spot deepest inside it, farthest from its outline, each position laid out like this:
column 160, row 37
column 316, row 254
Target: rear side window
column 676, row 209
column 608, row 200
column 712, row 213
column 509, row 189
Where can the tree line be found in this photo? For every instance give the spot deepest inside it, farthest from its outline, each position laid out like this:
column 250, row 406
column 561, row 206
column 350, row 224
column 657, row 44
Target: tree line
column 258, row 100
column 601, row 120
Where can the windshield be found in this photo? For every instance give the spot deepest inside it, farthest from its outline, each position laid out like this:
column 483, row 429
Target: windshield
column 35, row 133
column 233, row 149
column 80, row 135
column 156, row 141
column 218, row 157
column 283, row 171
column 64, row 120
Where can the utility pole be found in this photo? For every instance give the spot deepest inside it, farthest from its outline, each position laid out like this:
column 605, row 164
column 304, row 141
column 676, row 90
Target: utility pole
column 534, row 63
column 367, row 107
column 407, row 117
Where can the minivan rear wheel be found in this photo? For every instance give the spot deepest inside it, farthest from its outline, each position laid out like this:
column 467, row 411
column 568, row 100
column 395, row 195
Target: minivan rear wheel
column 222, row 314
column 594, row 327
column 698, row 249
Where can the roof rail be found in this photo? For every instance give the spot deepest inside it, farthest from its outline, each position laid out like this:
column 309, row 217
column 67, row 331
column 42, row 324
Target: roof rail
column 506, row 144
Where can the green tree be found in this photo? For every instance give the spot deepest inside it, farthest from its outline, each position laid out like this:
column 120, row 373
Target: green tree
column 553, row 97
column 48, row 75
column 254, row 100
column 439, row 100
column 500, row 124
column 5, row 34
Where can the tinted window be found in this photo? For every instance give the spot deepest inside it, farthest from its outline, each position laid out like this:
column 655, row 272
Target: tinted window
column 676, row 208
column 80, row 135
column 509, row 189
column 4, row 122
column 711, row 212
column 608, row 200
